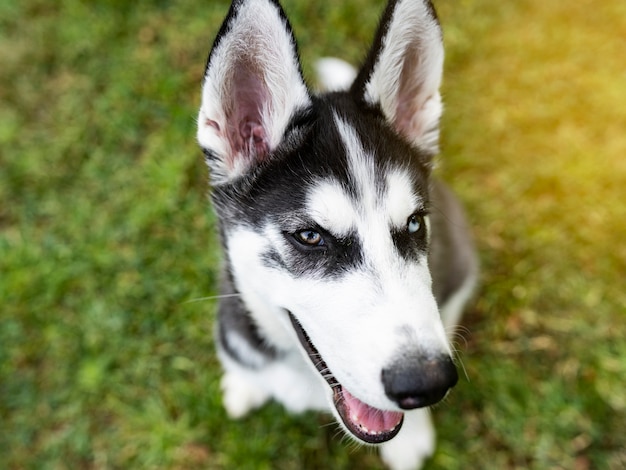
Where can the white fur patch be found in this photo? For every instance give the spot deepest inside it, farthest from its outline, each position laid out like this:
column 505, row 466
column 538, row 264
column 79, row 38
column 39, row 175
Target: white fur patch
column 401, row 200
column 331, row 208
column 245, row 248
column 360, row 163
column 291, row 380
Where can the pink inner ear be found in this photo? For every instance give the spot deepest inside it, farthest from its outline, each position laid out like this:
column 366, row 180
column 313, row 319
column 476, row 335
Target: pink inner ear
column 248, row 133
column 409, row 121
column 254, row 139
column 407, row 118
column 211, row 123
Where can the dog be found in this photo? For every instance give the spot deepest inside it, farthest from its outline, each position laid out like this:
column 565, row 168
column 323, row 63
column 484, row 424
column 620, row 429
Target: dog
column 347, row 265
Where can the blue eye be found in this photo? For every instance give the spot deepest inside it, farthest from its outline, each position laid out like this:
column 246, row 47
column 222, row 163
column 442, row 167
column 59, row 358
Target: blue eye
column 415, row 223
column 310, row 238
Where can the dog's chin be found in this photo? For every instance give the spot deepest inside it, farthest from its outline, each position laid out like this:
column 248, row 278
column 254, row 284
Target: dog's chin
column 366, row 423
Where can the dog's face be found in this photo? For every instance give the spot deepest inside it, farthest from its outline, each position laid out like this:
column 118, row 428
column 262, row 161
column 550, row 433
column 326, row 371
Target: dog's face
column 323, row 203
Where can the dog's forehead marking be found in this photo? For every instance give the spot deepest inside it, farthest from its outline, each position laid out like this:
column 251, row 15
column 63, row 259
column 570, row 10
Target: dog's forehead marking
column 330, row 206
column 401, row 200
column 383, row 194
column 362, row 172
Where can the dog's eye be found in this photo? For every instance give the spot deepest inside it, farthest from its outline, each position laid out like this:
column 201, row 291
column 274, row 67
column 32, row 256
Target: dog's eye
column 415, row 223
column 310, row 238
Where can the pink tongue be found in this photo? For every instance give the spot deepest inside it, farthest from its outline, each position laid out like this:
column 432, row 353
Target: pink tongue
column 371, row 419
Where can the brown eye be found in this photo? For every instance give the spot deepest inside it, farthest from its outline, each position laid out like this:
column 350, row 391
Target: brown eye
column 310, row 238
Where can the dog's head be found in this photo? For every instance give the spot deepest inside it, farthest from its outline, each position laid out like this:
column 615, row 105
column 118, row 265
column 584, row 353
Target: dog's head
column 323, row 204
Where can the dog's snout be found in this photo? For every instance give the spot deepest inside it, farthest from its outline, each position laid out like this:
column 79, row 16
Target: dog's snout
column 417, row 382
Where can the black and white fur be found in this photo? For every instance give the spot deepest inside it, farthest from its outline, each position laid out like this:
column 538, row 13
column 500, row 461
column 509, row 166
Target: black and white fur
column 346, row 264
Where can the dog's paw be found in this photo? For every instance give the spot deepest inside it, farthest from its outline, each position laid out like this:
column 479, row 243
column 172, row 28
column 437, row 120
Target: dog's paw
column 240, row 396
column 414, row 444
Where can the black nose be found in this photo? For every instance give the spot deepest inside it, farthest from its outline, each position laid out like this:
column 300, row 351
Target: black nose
column 416, row 382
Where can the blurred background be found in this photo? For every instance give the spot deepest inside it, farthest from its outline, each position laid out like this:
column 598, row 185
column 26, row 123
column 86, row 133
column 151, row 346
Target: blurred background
column 109, row 256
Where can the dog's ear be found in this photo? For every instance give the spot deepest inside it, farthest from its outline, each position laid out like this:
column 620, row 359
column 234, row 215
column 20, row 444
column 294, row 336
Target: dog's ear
column 253, row 86
column 402, row 72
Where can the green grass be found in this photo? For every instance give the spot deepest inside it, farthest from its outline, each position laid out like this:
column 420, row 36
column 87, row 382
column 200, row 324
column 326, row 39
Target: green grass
column 105, row 235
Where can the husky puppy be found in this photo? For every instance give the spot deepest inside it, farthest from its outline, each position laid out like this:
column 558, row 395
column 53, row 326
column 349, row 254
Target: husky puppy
column 346, row 264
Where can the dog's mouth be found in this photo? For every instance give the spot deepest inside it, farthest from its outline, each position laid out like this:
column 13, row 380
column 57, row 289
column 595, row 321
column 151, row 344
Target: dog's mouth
column 365, row 422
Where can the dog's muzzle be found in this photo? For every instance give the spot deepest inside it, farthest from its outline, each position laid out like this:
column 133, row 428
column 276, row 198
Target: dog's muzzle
column 365, row 422
column 412, row 381
column 401, row 383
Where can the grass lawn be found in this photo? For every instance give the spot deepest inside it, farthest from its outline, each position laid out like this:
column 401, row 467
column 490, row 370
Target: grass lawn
column 107, row 242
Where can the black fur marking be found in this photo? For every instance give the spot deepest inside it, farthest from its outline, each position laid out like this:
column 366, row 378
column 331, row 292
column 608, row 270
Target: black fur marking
column 272, row 259
column 411, row 245
column 336, row 257
column 329, row 261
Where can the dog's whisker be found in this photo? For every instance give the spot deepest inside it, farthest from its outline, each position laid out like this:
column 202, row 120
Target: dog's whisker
column 456, row 347
column 462, row 332
column 347, row 440
column 459, row 361
column 464, row 329
column 211, row 297
column 457, row 335
column 457, row 330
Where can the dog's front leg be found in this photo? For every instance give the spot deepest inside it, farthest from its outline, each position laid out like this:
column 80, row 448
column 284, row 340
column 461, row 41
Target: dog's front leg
column 241, row 393
column 414, row 443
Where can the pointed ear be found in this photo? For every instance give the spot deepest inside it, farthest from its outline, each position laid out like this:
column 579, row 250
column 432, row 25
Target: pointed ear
column 403, row 71
column 253, row 86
